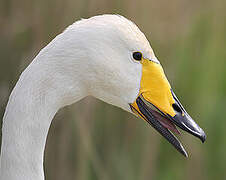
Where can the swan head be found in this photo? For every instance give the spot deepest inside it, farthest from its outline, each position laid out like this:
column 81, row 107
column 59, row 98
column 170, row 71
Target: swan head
column 119, row 67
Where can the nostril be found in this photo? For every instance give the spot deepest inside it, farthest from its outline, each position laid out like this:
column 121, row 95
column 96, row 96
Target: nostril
column 177, row 108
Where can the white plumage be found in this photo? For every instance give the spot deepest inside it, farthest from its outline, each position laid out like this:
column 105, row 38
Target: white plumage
column 91, row 57
column 107, row 57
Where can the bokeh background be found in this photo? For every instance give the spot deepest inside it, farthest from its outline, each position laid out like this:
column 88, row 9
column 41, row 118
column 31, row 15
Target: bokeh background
column 92, row 140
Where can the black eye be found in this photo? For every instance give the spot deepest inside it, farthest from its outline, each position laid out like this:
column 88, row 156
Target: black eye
column 137, row 56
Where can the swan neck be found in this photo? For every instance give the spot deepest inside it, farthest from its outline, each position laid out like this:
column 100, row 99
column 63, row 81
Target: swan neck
column 31, row 107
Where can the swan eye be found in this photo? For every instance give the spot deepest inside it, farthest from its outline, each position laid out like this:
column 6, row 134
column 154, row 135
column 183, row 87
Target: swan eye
column 137, row 56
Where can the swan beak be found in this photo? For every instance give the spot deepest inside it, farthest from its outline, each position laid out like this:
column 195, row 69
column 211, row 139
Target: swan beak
column 158, row 105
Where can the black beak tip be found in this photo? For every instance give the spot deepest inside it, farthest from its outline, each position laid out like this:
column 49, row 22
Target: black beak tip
column 202, row 136
column 183, row 152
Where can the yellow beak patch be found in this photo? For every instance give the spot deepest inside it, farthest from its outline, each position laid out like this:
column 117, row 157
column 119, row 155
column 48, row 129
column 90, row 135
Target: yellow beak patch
column 155, row 87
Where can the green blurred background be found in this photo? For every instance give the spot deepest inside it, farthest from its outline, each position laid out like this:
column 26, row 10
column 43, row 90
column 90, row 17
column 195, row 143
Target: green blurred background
column 91, row 140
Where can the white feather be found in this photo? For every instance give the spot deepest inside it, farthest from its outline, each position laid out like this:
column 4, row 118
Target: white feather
column 91, row 57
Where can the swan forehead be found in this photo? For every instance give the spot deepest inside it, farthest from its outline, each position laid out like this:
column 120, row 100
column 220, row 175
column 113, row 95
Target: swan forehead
column 116, row 31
